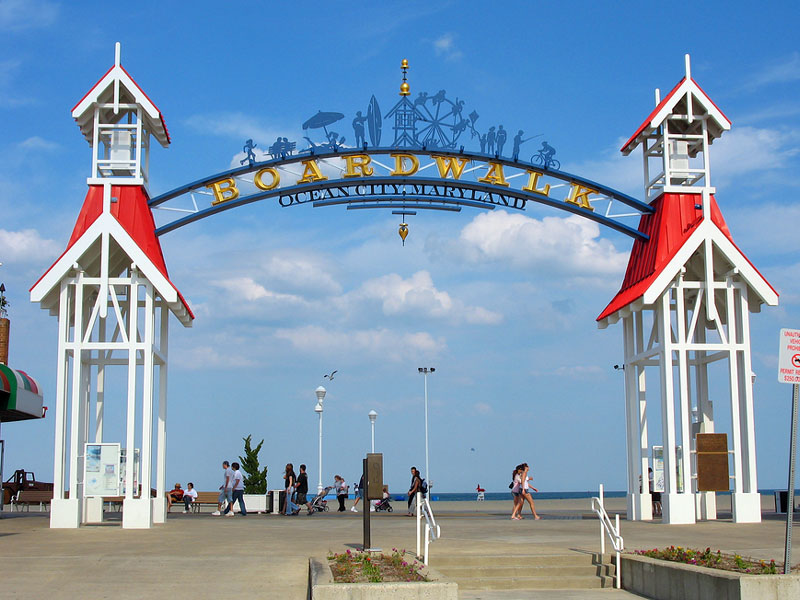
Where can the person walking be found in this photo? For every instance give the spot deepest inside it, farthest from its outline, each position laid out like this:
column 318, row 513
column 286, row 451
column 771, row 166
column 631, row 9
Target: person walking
column 302, row 490
column 359, row 494
column 226, row 489
column 416, row 486
column 516, row 493
column 341, row 491
column 290, row 480
column 237, row 492
column 526, row 494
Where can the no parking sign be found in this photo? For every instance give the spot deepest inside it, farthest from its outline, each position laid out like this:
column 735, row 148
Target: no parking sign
column 789, row 357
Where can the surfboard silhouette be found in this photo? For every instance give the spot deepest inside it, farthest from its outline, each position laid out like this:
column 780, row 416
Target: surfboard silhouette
column 374, row 122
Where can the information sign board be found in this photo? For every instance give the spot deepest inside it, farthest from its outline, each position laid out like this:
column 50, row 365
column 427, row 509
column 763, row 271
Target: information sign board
column 789, row 356
column 101, row 470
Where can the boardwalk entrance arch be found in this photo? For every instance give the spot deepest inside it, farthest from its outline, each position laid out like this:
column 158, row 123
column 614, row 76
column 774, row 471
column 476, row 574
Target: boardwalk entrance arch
column 684, row 303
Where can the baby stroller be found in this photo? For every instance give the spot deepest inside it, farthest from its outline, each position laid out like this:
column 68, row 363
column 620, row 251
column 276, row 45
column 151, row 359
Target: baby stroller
column 318, row 503
column 384, row 505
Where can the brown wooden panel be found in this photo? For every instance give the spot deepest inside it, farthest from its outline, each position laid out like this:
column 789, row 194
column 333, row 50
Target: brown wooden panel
column 374, row 477
column 712, row 442
column 712, row 472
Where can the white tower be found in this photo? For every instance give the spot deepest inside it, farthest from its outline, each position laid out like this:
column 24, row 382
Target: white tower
column 684, row 304
column 112, row 295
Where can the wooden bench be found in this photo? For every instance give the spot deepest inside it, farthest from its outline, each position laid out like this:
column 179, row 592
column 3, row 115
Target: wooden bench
column 203, row 499
column 28, row 497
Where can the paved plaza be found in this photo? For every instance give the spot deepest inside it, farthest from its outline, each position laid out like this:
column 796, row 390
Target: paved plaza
column 265, row 556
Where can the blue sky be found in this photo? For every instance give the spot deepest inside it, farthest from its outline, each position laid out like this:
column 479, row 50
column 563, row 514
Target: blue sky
column 503, row 305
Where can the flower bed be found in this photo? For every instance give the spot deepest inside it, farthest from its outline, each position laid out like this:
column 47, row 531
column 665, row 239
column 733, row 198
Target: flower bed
column 714, row 560
column 366, row 567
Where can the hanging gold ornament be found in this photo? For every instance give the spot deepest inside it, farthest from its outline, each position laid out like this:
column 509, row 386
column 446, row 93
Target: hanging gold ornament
column 403, row 232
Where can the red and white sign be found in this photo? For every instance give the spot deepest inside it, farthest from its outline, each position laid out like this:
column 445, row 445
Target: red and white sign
column 789, row 357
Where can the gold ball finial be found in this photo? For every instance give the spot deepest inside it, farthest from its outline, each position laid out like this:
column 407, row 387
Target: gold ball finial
column 405, row 89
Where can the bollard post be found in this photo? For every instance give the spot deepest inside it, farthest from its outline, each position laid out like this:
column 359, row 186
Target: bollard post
column 787, row 559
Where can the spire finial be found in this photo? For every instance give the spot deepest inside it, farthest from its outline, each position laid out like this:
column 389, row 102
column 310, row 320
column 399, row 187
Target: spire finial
column 405, row 89
column 688, row 61
column 117, row 53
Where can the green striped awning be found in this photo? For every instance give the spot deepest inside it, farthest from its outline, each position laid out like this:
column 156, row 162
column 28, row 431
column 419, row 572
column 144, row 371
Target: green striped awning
column 20, row 396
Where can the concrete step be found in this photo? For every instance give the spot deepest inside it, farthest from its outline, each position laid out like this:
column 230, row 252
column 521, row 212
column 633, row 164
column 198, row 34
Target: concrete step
column 573, row 570
column 513, row 560
column 573, row 582
column 527, row 571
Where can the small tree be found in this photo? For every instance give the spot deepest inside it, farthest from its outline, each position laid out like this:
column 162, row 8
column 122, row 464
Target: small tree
column 256, row 480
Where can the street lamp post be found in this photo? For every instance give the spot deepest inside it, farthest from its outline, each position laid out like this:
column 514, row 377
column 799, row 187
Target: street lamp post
column 320, row 392
column 425, row 371
column 372, row 418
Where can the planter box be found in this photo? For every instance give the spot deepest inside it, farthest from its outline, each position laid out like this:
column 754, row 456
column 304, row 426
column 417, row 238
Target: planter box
column 322, row 587
column 666, row 580
column 255, row 503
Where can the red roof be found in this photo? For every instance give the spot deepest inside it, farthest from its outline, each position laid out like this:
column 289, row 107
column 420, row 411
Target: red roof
column 661, row 105
column 136, row 218
column 674, row 220
column 160, row 114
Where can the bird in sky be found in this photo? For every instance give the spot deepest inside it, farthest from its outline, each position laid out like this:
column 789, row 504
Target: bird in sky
column 330, row 377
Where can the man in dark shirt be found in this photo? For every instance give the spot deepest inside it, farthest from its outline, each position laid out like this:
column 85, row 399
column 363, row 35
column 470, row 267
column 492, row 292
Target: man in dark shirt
column 302, row 490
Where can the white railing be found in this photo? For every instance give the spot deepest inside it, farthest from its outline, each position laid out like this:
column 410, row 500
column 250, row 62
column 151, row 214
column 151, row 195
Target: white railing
column 612, row 530
column 432, row 532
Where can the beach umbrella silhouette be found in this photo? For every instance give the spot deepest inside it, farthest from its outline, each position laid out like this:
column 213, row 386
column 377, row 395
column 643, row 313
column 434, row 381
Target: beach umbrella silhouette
column 322, row 120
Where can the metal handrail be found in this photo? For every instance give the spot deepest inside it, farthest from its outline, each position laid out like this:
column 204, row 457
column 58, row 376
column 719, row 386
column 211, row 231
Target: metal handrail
column 612, row 531
column 432, row 530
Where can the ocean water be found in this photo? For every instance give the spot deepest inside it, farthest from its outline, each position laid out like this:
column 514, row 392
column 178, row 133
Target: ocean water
column 470, row 496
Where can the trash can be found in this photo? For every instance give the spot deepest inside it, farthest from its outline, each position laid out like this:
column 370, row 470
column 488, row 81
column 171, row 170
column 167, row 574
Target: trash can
column 276, row 502
column 781, row 498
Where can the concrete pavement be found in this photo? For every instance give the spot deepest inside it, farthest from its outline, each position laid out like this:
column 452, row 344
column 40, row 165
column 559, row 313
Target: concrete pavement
column 201, row 556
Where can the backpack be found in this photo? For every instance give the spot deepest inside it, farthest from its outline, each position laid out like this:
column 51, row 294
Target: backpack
column 423, row 487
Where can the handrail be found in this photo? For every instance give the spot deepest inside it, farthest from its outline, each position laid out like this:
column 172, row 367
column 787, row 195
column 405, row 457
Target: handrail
column 612, row 531
column 432, row 530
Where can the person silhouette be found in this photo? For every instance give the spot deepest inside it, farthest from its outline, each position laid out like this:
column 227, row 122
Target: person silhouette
column 490, row 140
column 482, row 139
column 517, row 143
column 248, row 150
column 502, row 135
column 358, row 129
column 547, row 151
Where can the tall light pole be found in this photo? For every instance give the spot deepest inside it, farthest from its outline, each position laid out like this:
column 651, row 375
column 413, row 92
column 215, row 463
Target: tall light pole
column 425, row 371
column 320, row 392
column 372, row 417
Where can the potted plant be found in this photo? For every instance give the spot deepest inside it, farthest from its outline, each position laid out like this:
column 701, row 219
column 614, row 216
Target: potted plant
column 255, row 481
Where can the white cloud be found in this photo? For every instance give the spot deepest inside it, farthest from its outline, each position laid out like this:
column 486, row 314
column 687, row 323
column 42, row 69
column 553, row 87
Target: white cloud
column 418, row 295
column 623, row 173
column 786, row 71
column 482, row 408
column 201, row 357
column 744, row 150
column 247, row 288
column 38, row 143
column 9, row 97
column 571, row 246
column 375, row 343
column 445, row 46
column 26, row 246
column 240, row 127
column 19, row 15
column 309, row 274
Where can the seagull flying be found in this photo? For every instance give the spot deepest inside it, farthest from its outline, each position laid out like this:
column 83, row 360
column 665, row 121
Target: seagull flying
column 331, row 375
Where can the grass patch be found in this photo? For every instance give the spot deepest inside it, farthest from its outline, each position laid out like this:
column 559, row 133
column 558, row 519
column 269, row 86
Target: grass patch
column 367, row 567
column 714, row 560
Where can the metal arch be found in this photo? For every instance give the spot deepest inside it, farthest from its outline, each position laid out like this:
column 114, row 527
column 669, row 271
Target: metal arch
column 393, row 199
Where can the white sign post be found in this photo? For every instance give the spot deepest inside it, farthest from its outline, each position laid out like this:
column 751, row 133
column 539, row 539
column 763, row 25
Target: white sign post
column 789, row 372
